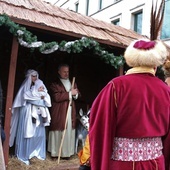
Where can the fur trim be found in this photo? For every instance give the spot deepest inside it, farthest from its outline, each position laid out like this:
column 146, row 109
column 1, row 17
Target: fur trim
column 155, row 56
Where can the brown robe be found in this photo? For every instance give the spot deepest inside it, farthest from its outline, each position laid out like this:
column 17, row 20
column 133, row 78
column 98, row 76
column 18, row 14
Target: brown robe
column 60, row 101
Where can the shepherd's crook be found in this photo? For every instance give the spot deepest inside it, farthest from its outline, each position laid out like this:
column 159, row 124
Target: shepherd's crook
column 70, row 102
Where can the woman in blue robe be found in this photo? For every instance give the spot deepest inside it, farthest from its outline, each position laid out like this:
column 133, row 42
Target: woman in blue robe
column 30, row 140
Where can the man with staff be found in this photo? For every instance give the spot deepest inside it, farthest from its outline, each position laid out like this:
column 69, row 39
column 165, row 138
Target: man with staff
column 63, row 114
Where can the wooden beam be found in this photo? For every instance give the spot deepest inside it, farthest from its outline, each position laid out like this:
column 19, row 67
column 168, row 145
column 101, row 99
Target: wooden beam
column 9, row 98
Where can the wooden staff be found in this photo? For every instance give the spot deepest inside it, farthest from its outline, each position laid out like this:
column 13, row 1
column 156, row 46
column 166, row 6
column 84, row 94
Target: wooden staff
column 69, row 105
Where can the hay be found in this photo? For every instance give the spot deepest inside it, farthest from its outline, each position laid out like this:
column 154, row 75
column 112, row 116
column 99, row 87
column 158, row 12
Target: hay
column 36, row 164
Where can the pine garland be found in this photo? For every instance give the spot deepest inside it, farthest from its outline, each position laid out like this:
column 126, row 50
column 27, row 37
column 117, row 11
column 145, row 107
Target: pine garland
column 27, row 39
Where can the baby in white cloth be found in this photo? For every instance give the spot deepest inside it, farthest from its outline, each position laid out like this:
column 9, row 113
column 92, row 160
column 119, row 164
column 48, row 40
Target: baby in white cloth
column 40, row 100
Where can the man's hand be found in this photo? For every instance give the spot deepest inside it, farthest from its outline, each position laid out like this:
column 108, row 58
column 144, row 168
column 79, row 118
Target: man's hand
column 74, row 92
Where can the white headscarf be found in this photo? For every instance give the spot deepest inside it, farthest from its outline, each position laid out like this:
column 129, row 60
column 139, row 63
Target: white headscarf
column 34, row 93
column 38, row 84
column 19, row 99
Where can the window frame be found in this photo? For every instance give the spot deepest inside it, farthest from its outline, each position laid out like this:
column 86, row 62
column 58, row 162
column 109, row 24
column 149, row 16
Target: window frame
column 115, row 21
column 164, row 25
column 76, row 6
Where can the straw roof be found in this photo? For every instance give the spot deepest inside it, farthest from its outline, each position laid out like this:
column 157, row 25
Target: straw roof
column 42, row 15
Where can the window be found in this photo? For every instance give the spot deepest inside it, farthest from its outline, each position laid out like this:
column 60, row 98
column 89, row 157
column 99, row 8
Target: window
column 116, row 22
column 87, row 7
column 105, row 3
column 100, row 4
column 165, row 33
column 138, row 22
column 76, row 6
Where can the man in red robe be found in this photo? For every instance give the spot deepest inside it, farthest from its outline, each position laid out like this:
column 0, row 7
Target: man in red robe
column 130, row 117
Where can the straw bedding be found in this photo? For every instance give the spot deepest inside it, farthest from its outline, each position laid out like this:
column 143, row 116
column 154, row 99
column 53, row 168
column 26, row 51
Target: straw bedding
column 48, row 164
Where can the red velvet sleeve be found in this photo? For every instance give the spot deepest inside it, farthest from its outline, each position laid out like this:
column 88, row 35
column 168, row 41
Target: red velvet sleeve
column 102, row 128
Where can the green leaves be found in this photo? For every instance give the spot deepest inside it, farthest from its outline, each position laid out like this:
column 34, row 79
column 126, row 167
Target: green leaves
column 27, row 39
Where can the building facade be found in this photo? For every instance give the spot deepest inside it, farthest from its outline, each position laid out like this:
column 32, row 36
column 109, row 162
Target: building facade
column 130, row 14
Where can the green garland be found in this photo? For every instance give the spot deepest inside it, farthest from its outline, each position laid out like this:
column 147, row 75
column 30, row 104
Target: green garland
column 27, row 39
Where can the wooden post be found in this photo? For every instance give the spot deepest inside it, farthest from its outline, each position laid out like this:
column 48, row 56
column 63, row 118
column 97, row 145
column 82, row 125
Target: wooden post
column 9, row 98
